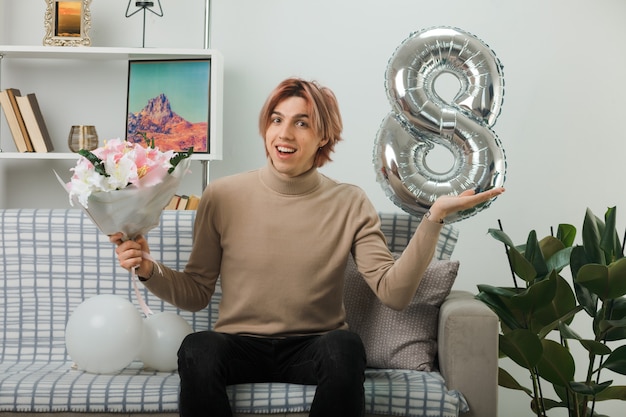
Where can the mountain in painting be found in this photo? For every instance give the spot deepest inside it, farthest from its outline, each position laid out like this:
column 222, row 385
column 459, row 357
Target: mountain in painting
column 169, row 130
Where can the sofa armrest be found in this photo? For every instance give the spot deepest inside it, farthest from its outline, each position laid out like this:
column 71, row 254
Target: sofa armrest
column 468, row 351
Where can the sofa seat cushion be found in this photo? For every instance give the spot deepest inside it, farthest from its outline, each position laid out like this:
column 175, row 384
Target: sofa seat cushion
column 57, row 387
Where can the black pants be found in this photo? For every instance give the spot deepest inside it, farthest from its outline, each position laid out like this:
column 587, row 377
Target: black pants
column 335, row 362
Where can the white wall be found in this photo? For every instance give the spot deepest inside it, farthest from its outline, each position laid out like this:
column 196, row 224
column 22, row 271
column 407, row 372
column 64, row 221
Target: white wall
column 560, row 123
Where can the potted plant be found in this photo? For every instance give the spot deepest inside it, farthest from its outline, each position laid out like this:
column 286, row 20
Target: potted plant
column 536, row 312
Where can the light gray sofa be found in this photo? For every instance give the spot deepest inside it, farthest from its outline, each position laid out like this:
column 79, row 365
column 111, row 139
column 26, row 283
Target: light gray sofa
column 51, row 260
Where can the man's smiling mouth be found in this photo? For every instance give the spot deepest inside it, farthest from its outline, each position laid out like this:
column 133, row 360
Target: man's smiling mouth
column 283, row 149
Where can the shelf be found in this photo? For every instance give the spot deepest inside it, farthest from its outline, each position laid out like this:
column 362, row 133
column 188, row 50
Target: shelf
column 102, row 53
column 95, row 54
column 72, row 156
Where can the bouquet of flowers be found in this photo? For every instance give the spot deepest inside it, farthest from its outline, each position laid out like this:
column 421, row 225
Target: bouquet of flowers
column 124, row 186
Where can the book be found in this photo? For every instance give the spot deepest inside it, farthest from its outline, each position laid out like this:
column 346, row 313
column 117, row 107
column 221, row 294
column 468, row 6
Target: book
column 173, row 203
column 182, row 203
column 13, row 94
column 35, row 124
column 193, row 202
column 15, row 120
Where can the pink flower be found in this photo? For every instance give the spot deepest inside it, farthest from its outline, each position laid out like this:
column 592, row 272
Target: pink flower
column 117, row 165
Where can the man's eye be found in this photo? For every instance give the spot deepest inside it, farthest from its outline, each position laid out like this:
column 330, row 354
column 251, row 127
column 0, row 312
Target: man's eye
column 276, row 120
column 301, row 123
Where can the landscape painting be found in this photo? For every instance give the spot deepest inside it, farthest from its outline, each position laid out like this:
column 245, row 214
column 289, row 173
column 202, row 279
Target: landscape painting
column 168, row 102
column 68, row 18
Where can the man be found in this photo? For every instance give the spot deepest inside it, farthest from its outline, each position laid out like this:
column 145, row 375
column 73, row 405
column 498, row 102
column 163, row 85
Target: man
column 279, row 239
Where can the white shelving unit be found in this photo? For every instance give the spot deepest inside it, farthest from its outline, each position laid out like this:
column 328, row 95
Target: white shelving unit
column 96, row 54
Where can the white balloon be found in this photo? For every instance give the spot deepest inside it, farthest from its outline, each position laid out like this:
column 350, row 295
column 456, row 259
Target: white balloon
column 103, row 334
column 163, row 334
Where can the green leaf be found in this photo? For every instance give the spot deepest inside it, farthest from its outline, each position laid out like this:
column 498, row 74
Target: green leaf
column 607, row 282
column 611, row 325
column 591, row 346
column 617, row 278
column 96, row 162
column 519, row 264
column 548, row 404
column 179, row 156
column 589, row 389
column 617, row 392
column 615, row 326
column 609, row 241
column 616, row 361
column 562, row 302
column 535, row 296
column 498, row 300
column 549, row 246
column 522, row 346
column 522, row 267
column 594, row 277
column 559, row 260
column 566, row 233
column 557, row 364
column 501, row 236
column 534, row 254
column 565, row 318
column 592, row 228
column 506, row 380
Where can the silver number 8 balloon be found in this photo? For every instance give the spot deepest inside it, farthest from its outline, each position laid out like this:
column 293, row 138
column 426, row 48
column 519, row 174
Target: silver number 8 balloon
column 421, row 119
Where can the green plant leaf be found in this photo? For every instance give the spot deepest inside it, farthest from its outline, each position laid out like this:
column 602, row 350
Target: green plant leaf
column 592, row 346
column 615, row 325
column 535, row 256
column 566, row 233
column 498, row 300
column 589, row 389
column 557, row 364
column 506, row 380
column 609, row 241
column 522, row 346
column 559, row 260
column 96, row 162
column 562, row 303
column 521, row 266
column 501, row 236
column 565, row 318
column 594, row 277
column 550, row 246
column 609, row 325
column 548, row 404
column 535, row 296
column 607, row 282
column 616, row 361
column 592, row 232
column 617, row 278
column 585, row 297
column 617, row 392
column 179, row 156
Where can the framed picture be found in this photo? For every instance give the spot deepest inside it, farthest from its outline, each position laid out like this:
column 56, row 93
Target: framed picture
column 67, row 23
column 169, row 102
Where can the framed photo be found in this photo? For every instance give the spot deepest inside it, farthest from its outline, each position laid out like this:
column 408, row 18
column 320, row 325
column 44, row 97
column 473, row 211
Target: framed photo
column 67, row 23
column 169, row 102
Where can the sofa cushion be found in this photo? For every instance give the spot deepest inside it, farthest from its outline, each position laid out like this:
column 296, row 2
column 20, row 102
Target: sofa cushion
column 56, row 387
column 404, row 339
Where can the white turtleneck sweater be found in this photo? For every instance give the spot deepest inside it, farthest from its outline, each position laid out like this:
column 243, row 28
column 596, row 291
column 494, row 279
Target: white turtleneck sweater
column 280, row 248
